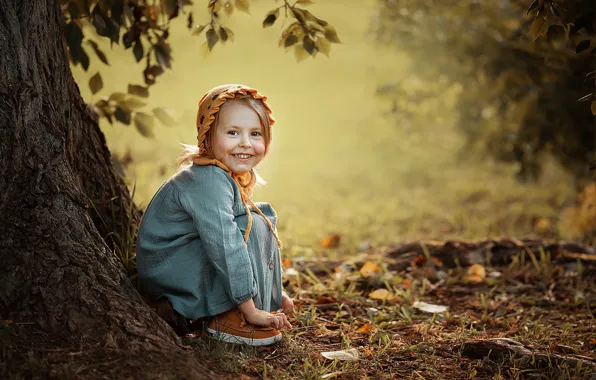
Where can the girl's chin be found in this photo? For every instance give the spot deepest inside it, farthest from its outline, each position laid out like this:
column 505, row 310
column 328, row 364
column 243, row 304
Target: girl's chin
column 240, row 169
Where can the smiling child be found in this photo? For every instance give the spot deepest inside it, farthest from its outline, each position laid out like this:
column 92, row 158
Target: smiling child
column 203, row 244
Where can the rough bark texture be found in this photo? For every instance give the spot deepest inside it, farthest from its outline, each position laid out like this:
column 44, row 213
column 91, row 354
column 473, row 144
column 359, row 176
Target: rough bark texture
column 59, row 281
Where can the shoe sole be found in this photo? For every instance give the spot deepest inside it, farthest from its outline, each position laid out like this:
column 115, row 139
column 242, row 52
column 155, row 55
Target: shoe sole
column 229, row 338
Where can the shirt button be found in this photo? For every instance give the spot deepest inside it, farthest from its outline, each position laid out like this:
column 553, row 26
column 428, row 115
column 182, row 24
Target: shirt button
column 271, row 266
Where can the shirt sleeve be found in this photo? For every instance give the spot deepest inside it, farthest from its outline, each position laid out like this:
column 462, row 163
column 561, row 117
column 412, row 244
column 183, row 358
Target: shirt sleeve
column 210, row 205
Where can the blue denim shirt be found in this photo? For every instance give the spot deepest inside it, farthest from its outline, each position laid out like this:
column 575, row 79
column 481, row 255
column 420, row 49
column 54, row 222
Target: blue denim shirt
column 191, row 247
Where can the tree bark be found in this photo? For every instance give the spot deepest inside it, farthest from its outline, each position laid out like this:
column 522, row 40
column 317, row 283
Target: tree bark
column 59, row 281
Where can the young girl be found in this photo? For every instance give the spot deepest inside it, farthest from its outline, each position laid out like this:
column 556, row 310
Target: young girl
column 203, row 244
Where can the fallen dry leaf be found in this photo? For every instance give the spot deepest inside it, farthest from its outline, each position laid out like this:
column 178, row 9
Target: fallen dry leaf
column 477, row 269
column 323, row 300
column 472, row 279
column 331, row 241
column 286, row 263
column 382, row 295
column 429, row 308
column 350, row 354
column 543, row 226
column 437, row 261
column 370, row 269
column 476, row 273
column 407, row 283
column 367, row 328
column 418, row 261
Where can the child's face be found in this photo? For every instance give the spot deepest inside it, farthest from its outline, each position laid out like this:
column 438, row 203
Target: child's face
column 238, row 141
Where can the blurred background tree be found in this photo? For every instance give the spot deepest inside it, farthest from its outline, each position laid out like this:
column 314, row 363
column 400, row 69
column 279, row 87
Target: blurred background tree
column 523, row 71
column 505, row 79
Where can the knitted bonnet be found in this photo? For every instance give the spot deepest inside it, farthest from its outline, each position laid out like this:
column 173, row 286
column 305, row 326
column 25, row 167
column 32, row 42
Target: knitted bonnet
column 209, row 106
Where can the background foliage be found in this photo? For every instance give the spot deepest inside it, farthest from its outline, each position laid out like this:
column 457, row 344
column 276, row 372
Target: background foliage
column 401, row 135
column 522, row 68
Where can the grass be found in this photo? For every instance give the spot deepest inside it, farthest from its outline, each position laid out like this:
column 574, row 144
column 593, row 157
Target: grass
column 394, row 340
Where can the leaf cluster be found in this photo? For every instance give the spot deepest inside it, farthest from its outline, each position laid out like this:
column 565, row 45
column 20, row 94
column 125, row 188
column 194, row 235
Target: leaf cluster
column 142, row 26
column 308, row 35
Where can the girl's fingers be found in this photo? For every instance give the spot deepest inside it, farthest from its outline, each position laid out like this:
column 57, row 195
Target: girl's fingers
column 278, row 321
column 284, row 321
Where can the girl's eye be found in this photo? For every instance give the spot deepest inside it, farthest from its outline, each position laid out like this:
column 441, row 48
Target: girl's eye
column 256, row 133
column 232, row 132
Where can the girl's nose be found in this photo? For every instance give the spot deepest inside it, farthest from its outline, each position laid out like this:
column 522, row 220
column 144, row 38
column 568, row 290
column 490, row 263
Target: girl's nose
column 245, row 142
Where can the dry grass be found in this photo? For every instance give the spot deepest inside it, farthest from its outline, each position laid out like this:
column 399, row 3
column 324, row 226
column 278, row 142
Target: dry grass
column 546, row 305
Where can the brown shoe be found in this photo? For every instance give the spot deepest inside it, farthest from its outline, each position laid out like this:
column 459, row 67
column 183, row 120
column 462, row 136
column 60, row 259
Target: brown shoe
column 232, row 327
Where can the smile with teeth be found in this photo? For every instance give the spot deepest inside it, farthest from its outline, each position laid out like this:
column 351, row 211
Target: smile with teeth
column 242, row 156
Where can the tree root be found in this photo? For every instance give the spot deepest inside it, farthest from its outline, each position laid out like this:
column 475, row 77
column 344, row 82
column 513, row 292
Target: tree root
column 504, row 348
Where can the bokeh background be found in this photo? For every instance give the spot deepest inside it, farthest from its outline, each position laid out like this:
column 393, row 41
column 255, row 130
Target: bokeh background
column 347, row 158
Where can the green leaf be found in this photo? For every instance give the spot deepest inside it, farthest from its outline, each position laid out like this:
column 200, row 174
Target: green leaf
column 164, row 116
column 331, row 34
column 104, row 26
column 198, row 30
column 204, row 50
column 127, row 39
column 162, row 55
column 82, row 57
column 144, row 124
column 152, row 72
column 95, row 83
column 170, row 7
column 539, row 28
column 304, row 2
column 212, row 38
column 300, row 53
column 299, row 14
column 100, row 54
column 117, row 10
column 122, row 115
column 118, row 97
column 141, row 91
column 270, row 18
column 593, row 107
column 242, row 5
column 138, row 50
column 189, row 20
column 132, row 102
column 231, row 35
column 533, row 6
column 324, row 46
column 308, row 44
column 223, row 34
column 291, row 40
column 99, row 21
column 103, row 109
column 74, row 34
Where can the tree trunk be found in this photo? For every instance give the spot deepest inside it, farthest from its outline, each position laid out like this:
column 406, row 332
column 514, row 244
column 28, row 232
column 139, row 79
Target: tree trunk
column 60, row 283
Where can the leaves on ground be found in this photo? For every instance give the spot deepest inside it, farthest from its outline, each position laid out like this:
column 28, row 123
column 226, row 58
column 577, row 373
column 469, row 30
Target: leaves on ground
column 413, row 315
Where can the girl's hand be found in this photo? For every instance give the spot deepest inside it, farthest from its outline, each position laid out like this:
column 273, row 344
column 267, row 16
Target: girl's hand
column 287, row 305
column 263, row 318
